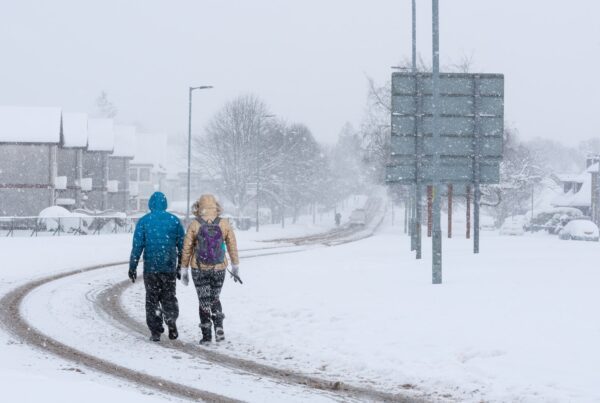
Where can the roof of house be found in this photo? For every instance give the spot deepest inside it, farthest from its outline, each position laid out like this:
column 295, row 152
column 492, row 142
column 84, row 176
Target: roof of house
column 30, row 124
column 75, row 130
column 124, row 141
column 577, row 178
column 595, row 167
column 151, row 148
column 101, row 135
column 581, row 198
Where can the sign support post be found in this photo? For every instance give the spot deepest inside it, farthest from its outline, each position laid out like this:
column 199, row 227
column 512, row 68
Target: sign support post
column 450, row 196
column 468, row 218
column 476, row 161
column 437, row 231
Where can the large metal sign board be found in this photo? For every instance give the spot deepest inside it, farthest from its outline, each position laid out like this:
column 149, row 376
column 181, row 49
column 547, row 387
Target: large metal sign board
column 471, row 123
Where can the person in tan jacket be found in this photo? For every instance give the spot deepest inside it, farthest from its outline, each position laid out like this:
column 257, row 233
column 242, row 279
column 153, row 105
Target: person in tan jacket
column 206, row 240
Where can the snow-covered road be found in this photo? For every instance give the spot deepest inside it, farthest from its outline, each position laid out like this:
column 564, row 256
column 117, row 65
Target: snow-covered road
column 67, row 310
column 515, row 323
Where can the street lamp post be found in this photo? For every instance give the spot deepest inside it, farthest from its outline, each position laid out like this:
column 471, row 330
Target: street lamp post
column 189, row 165
column 282, row 204
column 260, row 118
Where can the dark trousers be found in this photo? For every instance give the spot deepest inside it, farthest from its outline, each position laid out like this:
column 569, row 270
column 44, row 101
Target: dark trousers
column 208, row 287
column 161, row 302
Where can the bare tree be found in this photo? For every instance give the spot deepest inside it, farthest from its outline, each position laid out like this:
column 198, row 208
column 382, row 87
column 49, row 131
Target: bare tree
column 241, row 147
column 230, row 149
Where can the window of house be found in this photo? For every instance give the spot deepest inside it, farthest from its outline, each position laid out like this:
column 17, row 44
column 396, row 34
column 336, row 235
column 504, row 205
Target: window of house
column 133, row 174
column 144, row 174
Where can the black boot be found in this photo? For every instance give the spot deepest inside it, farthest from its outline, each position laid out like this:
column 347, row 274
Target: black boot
column 173, row 334
column 218, row 322
column 155, row 337
column 219, row 334
column 206, row 333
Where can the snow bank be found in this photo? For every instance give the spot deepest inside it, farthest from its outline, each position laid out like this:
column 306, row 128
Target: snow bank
column 51, row 217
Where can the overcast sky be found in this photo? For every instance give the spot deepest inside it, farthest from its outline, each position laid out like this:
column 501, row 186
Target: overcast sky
column 307, row 59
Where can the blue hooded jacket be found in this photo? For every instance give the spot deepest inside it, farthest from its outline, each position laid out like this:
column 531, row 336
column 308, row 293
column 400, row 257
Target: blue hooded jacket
column 159, row 235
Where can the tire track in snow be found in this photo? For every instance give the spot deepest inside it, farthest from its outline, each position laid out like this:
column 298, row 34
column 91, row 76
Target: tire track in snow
column 109, row 301
column 15, row 324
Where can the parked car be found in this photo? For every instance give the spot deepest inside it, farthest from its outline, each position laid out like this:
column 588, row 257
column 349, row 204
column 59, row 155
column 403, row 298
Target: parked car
column 358, row 217
column 580, row 229
column 487, row 223
column 513, row 225
column 552, row 220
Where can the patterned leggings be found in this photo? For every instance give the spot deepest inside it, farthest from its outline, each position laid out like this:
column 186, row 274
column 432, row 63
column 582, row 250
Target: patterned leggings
column 208, row 287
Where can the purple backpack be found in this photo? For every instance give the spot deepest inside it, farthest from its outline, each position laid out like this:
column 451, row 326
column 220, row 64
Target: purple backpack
column 211, row 248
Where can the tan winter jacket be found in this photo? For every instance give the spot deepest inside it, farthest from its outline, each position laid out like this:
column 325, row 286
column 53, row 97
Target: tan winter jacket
column 209, row 209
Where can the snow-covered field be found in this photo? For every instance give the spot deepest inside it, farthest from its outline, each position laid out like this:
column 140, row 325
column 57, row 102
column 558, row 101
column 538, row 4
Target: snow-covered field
column 517, row 322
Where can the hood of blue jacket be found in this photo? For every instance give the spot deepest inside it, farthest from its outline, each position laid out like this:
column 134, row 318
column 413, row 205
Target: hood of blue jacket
column 157, row 202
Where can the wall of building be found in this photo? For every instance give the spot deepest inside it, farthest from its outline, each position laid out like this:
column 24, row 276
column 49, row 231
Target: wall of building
column 95, row 166
column 26, row 178
column 141, row 175
column 118, row 169
column 68, row 164
column 24, row 202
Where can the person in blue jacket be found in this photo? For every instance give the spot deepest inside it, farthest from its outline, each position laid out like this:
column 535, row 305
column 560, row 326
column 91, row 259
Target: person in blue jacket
column 159, row 236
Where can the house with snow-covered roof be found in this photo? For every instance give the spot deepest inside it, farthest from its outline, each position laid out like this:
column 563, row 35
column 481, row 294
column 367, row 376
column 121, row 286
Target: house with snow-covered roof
column 147, row 171
column 29, row 142
column 581, row 190
column 118, row 167
column 577, row 192
column 70, row 160
column 101, row 143
column 593, row 168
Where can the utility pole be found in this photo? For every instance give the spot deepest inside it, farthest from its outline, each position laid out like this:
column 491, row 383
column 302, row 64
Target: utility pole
column 418, row 208
column 189, row 161
column 437, row 232
column 282, row 204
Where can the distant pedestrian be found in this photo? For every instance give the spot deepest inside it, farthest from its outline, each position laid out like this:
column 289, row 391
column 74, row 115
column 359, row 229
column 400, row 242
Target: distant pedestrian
column 159, row 235
column 338, row 219
column 206, row 240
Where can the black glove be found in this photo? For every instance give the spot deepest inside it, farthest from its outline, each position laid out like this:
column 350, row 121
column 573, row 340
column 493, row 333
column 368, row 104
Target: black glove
column 178, row 272
column 133, row 275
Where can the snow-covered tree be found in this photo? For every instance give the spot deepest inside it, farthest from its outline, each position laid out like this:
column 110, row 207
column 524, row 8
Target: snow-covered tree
column 104, row 107
column 242, row 146
column 230, row 149
column 519, row 174
column 347, row 162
